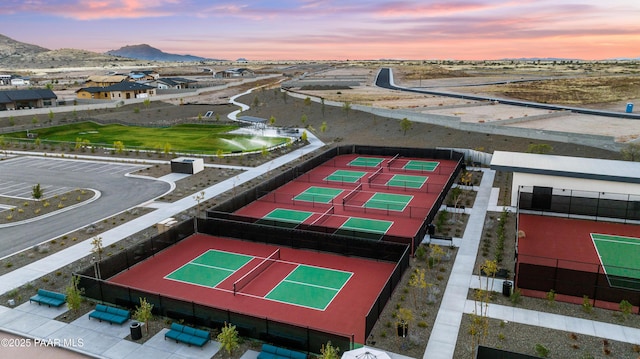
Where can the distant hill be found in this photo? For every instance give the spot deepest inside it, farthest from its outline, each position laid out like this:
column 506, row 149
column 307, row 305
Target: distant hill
column 12, row 48
column 146, row 52
column 19, row 55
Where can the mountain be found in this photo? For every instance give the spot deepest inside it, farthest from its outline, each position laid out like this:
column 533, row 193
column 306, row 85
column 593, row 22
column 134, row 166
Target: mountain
column 19, row 55
column 146, row 52
column 12, row 48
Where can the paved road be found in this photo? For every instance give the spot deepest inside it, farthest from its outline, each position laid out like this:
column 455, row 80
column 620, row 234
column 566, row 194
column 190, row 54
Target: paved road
column 117, row 193
column 384, row 79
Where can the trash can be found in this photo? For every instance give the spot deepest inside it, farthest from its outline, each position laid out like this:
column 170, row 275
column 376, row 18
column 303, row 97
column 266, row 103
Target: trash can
column 507, row 285
column 629, row 107
column 136, row 331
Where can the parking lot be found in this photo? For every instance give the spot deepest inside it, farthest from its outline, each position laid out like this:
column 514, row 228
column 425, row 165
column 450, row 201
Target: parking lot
column 118, row 192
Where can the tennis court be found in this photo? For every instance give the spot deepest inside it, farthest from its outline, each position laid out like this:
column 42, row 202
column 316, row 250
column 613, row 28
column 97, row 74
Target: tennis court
column 307, row 286
column 345, row 176
column 210, row 268
column 365, row 162
column 365, row 227
column 388, row 201
column 415, row 165
column 620, row 258
column 287, row 217
column 318, row 194
column 407, row 181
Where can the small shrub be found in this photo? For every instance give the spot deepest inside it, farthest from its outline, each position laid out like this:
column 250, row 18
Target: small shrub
column 422, row 324
column 587, row 306
column 516, row 296
column 625, row 308
column 551, row 297
column 500, row 336
column 542, row 351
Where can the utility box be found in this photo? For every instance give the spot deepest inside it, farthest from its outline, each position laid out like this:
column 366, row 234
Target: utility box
column 187, row 165
column 629, row 107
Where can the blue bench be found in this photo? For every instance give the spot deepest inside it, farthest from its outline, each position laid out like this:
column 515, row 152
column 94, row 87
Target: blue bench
column 49, row 298
column 110, row 314
column 187, row 335
column 272, row 352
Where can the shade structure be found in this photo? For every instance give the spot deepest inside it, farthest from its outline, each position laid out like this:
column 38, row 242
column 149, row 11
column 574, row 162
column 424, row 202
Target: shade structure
column 365, row 353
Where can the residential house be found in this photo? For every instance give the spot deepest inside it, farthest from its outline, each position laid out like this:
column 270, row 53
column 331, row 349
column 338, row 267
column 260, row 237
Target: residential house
column 104, row 81
column 120, row 91
column 143, row 76
column 21, row 99
column 236, row 72
column 172, row 83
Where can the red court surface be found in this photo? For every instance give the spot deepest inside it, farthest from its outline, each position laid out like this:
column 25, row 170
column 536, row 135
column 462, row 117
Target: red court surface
column 344, row 315
column 406, row 223
column 563, row 244
column 565, row 239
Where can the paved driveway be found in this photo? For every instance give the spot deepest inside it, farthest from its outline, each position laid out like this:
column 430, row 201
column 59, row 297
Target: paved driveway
column 118, row 193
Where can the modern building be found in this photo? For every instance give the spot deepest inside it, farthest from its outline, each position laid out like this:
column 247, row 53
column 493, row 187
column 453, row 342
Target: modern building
column 120, row 91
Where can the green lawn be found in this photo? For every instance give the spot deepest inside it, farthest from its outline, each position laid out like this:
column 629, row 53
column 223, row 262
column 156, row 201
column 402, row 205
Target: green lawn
column 181, row 138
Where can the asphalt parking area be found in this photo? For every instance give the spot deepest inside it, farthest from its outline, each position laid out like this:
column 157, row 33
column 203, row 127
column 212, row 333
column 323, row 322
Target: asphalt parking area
column 118, row 193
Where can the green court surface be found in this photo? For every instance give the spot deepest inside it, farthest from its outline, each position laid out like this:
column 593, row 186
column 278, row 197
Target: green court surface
column 407, row 181
column 421, row 165
column 366, row 162
column 310, row 287
column 318, row 194
column 364, row 228
column 286, row 217
column 388, row 201
column 620, row 258
column 345, row 176
column 210, row 268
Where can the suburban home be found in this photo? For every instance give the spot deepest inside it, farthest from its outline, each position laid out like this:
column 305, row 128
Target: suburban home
column 121, row 91
column 20, row 81
column 143, row 76
column 5, row 79
column 21, row 99
column 104, row 81
column 237, row 72
column 172, row 83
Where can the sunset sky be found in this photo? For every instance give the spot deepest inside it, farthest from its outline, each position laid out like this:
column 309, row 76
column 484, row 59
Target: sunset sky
column 334, row 30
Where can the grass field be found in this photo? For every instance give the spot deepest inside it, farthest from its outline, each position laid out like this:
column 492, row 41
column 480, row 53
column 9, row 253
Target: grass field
column 181, row 138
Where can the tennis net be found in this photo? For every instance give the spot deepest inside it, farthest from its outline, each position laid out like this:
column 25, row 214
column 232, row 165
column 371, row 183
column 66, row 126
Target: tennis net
column 323, row 217
column 351, row 194
column 374, row 175
column 392, row 160
column 253, row 273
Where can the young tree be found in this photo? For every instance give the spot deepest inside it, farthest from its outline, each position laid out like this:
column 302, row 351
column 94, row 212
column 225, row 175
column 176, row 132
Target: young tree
column 166, row 149
column 146, row 103
column 307, row 101
column 228, row 338
column 96, row 247
column 51, row 116
column 143, row 313
column 346, row 107
column 198, row 198
column 119, row 146
column 417, row 281
column 405, row 125
column 303, row 119
column 327, row 351
column 304, row 135
column 37, row 192
column 323, row 126
column 74, row 294
column 272, row 120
